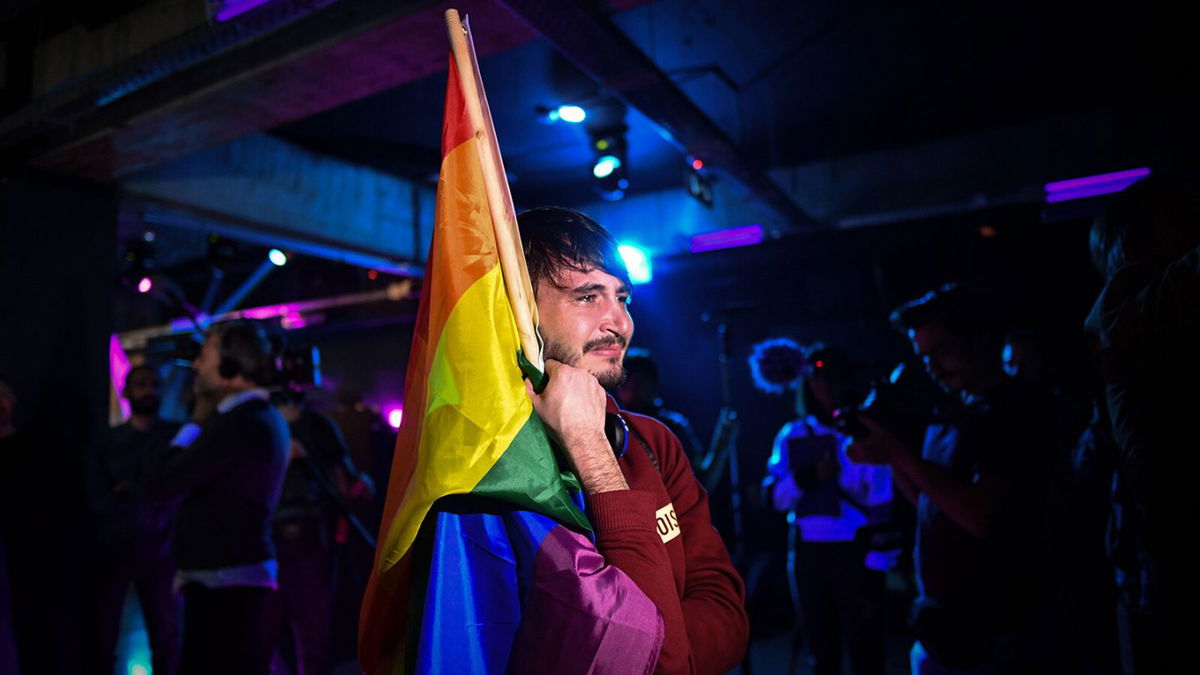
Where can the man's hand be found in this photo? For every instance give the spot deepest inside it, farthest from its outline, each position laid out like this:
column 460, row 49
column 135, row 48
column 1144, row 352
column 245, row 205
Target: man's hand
column 878, row 447
column 572, row 407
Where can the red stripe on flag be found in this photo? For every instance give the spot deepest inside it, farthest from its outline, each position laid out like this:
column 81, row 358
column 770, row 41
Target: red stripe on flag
column 456, row 125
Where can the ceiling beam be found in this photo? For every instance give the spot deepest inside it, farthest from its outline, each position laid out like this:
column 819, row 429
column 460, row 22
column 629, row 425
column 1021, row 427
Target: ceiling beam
column 337, row 54
column 600, row 49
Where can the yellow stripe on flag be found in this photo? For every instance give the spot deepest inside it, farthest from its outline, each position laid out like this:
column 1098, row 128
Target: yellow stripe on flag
column 470, row 421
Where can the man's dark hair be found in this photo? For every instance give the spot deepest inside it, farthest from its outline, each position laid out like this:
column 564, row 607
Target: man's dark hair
column 1155, row 220
column 968, row 313
column 557, row 239
column 246, row 350
column 137, row 369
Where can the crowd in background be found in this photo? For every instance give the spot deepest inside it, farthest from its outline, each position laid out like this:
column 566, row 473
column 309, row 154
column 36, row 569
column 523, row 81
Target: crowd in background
column 1040, row 524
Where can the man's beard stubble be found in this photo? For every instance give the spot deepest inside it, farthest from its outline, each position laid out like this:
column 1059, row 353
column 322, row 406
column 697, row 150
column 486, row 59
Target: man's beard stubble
column 610, row 378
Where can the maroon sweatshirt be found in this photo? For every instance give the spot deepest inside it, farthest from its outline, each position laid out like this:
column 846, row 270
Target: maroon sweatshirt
column 659, row 532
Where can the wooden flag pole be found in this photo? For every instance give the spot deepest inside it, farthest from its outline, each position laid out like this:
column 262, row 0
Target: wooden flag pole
column 504, row 218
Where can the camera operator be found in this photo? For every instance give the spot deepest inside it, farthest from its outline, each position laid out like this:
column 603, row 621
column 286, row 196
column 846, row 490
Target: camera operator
column 228, row 465
column 320, row 476
column 837, row 577
column 980, row 486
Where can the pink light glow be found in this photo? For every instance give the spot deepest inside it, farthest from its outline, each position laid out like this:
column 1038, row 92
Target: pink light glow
column 145, row 285
column 118, row 369
column 395, row 416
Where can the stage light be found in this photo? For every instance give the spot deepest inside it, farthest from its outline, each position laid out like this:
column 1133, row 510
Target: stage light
column 395, row 416
column 372, row 274
column 571, row 113
column 1091, row 186
column 148, row 235
column 746, row 235
column 225, row 10
column 609, row 166
column 637, row 263
column 278, row 258
column 605, row 166
column 697, row 164
column 145, row 285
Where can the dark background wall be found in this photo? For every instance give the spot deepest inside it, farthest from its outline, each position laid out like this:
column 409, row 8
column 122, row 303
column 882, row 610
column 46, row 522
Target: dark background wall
column 57, row 249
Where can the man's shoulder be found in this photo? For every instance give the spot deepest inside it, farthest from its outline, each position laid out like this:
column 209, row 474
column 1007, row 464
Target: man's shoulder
column 649, row 427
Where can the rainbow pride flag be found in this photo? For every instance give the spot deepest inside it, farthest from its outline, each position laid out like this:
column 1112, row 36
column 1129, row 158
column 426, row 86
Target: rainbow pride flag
column 483, row 549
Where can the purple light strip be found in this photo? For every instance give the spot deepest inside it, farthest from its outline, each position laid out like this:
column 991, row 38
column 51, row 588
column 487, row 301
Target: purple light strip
column 118, row 368
column 1088, row 191
column 232, row 8
column 745, row 235
column 1122, row 177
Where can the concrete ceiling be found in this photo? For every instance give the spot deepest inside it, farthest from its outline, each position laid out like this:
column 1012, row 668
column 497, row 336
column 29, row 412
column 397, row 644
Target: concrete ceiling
column 756, row 88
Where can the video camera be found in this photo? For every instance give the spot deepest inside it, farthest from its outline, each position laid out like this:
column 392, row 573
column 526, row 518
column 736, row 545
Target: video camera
column 297, row 369
column 904, row 403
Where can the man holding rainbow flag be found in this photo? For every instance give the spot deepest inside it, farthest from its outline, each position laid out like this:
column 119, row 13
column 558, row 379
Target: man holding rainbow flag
column 499, row 552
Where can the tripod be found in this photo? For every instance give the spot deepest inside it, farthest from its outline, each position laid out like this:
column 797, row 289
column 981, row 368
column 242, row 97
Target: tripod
column 722, row 453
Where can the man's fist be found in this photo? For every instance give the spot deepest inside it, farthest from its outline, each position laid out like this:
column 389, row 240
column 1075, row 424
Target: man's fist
column 572, row 407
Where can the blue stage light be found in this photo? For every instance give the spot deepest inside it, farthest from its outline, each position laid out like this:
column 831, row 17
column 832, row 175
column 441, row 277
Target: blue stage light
column 571, row 113
column 637, row 263
column 605, row 166
column 278, row 258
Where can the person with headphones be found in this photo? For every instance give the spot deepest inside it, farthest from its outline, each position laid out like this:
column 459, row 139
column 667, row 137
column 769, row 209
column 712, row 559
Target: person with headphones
column 228, row 466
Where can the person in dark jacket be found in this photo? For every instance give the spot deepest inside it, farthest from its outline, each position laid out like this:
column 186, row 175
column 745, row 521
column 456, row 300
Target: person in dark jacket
column 131, row 532
column 228, row 464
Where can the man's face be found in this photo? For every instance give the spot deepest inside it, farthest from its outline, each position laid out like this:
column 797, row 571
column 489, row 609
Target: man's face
column 947, row 356
column 208, row 378
column 586, row 323
column 141, row 389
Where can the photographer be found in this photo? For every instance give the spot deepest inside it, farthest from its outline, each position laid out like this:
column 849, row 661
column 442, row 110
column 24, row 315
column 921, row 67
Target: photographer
column 228, row 465
column 837, row 578
column 980, row 484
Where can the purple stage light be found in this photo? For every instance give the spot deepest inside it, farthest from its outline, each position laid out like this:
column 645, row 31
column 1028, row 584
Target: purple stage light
column 1091, row 186
column 395, row 415
column 145, row 285
column 231, row 8
column 745, row 235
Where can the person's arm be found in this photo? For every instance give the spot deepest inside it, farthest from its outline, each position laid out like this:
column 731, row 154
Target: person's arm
column 907, row 487
column 196, row 454
column 972, row 505
column 1139, row 313
column 572, row 407
column 706, row 629
column 781, row 488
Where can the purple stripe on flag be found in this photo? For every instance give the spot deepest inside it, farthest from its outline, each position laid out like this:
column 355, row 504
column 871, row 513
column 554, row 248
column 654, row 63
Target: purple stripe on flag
column 583, row 616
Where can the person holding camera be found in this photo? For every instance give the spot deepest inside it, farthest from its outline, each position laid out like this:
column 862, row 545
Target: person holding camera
column 228, row 465
column 980, row 484
column 836, row 575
